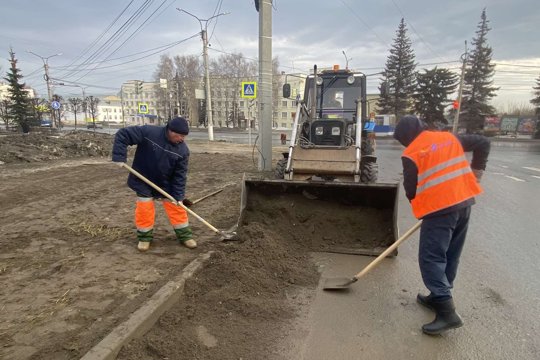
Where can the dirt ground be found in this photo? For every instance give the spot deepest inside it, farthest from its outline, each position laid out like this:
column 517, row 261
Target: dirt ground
column 70, row 270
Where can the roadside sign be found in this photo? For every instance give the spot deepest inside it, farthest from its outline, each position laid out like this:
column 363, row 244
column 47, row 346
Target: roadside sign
column 55, row 105
column 249, row 89
column 143, row 108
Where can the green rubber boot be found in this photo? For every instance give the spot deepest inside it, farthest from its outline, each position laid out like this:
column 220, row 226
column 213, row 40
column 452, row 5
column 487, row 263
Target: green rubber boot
column 185, row 237
column 145, row 238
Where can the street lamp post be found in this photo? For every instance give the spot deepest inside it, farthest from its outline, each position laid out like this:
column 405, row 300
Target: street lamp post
column 204, row 35
column 346, row 60
column 47, row 78
column 83, row 99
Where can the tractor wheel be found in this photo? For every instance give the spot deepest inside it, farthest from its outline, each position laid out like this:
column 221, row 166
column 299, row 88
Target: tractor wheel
column 368, row 146
column 369, row 172
column 281, row 165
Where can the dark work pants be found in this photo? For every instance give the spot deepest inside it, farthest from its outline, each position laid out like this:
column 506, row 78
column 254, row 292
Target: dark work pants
column 441, row 241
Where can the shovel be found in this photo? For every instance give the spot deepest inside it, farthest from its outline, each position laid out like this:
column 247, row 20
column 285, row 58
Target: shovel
column 343, row 283
column 225, row 235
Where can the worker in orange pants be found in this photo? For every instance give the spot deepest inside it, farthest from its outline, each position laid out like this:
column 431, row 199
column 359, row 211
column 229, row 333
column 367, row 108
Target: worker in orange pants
column 162, row 157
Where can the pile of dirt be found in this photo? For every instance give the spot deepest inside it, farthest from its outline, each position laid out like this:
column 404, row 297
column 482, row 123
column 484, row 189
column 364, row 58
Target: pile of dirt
column 51, row 145
column 238, row 305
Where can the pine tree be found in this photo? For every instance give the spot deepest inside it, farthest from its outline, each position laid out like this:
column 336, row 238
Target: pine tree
column 399, row 76
column 536, row 102
column 19, row 109
column 432, row 92
column 478, row 81
column 19, row 105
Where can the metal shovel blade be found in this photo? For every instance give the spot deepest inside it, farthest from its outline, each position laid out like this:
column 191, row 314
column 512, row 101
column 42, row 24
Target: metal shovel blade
column 338, row 283
column 228, row 235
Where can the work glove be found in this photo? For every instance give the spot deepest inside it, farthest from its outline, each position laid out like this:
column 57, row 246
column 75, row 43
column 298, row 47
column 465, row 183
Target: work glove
column 478, row 173
column 187, row 202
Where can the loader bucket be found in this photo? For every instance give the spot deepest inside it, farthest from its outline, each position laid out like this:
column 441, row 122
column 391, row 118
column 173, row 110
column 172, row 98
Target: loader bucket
column 349, row 218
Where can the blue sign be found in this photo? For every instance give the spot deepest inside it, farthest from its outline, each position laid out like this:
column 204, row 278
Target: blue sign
column 55, row 105
column 249, row 89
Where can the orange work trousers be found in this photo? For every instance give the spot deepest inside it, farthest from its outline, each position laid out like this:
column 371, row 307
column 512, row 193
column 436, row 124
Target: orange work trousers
column 145, row 213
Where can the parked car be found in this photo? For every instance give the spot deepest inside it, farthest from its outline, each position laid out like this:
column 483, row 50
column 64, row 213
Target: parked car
column 92, row 125
column 46, row 123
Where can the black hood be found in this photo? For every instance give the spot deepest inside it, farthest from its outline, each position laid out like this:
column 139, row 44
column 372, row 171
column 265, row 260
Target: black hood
column 407, row 129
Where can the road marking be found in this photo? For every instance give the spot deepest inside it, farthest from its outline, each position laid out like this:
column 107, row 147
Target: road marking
column 531, row 168
column 534, row 176
column 515, row 178
column 504, row 166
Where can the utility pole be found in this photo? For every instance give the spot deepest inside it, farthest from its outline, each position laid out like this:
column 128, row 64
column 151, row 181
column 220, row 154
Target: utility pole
column 265, row 84
column 460, row 91
column 48, row 80
column 204, row 35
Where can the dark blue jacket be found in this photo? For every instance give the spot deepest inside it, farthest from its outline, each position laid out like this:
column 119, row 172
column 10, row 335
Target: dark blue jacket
column 162, row 162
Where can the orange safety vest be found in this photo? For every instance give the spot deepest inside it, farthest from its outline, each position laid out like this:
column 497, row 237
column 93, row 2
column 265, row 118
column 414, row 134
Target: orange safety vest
column 444, row 175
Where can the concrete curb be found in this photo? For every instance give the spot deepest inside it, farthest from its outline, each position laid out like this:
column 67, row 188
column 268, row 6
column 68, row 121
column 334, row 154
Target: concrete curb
column 143, row 319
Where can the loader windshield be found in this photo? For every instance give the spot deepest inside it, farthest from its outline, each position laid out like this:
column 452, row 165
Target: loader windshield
column 335, row 97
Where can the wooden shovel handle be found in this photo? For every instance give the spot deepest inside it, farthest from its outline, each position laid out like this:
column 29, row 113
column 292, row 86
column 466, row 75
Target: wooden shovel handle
column 391, row 248
column 164, row 193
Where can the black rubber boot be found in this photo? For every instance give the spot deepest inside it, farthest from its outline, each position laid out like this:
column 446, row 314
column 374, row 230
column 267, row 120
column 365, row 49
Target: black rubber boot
column 446, row 318
column 425, row 301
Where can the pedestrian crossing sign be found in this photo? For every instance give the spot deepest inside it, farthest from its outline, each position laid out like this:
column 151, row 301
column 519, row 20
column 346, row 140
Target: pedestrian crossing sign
column 143, row 108
column 249, row 89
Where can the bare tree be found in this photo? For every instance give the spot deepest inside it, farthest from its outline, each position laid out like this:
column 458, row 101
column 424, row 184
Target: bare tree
column 92, row 105
column 189, row 78
column 4, row 112
column 229, row 71
column 165, row 70
column 76, row 107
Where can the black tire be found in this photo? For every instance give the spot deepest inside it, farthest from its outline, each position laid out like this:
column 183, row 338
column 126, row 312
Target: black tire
column 367, row 146
column 369, row 172
column 279, row 172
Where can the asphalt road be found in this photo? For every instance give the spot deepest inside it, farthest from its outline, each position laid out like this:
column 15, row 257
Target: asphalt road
column 497, row 291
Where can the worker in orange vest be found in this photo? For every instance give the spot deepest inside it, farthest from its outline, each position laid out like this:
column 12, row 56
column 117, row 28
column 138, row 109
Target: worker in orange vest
column 441, row 186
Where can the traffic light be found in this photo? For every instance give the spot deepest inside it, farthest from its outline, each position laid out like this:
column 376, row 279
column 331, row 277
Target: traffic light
column 455, row 104
column 138, row 87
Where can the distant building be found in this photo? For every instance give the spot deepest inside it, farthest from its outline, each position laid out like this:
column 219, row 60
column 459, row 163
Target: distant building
column 110, row 110
column 4, row 91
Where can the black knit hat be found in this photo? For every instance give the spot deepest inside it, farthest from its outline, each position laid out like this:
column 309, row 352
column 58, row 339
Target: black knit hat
column 179, row 125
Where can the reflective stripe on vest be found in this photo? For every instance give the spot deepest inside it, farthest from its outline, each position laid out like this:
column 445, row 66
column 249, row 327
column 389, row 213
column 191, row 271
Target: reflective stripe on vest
column 442, row 178
column 444, row 175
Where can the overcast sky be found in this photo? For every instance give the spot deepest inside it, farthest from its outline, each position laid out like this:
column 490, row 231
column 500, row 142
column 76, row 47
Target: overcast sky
column 305, row 32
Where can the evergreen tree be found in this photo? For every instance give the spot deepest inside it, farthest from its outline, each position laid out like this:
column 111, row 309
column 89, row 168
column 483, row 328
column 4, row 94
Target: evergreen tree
column 536, row 102
column 478, row 81
column 432, row 92
column 399, row 76
column 19, row 108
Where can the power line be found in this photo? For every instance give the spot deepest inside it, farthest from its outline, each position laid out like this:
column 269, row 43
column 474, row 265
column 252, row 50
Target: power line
column 364, row 23
column 416, row 32
column 517, row 65
column 101, row 35
column 114, row 37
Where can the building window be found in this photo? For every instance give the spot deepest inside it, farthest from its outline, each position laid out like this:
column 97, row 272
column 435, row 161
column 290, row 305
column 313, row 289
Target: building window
column 284, row 115
column 283, row 125
column 284, row 103
column 241, row 104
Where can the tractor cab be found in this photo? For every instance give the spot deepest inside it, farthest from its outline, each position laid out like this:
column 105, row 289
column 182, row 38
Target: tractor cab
column 333, row 109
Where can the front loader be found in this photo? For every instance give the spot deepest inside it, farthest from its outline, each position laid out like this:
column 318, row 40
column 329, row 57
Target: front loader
column 326, row 191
